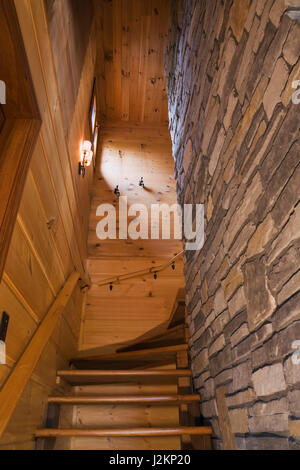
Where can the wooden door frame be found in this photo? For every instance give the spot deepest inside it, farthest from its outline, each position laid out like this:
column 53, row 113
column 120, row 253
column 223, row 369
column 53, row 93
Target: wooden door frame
column 20, row 129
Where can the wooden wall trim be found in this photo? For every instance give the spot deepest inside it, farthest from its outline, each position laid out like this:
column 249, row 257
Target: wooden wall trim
column 17, row 141
column 18, row 379
column 22, row 123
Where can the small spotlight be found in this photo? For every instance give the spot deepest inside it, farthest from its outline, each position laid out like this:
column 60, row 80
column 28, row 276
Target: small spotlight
column 111, row 286
column 155, row 276
column 117, row 191
column 141, row 183
column 173, row 266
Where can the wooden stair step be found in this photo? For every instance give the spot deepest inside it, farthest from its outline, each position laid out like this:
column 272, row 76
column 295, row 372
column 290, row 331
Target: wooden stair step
column 128, row 432
column 155, row 341
column 116, row 376
column 88, row 356
column 124, row 399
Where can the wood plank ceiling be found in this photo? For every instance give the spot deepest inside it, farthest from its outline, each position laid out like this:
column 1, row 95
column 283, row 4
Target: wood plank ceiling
column 133, row 34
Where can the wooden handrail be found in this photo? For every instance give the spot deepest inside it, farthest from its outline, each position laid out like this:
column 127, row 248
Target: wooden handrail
column 143, row 272
column 124, row 399
column 14, row 386
column 131, row 432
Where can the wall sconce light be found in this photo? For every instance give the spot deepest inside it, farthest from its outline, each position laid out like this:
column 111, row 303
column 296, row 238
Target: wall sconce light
column 86, row 154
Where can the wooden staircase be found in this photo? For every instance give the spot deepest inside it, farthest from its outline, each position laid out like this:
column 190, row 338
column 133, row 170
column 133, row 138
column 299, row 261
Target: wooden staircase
column 139, row 398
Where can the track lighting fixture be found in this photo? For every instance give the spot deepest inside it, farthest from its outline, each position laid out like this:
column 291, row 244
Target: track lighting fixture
column 173, row 266
column 141, row 182
column 155, row 276
column 117, row 191
column 111, row 286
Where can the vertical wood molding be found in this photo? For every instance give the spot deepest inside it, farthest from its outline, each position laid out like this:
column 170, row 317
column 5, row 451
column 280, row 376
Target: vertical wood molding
column 224, row 420
column 20, row 129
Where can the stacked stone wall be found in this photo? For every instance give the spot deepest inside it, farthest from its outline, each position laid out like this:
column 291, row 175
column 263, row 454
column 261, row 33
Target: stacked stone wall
column 232, row 67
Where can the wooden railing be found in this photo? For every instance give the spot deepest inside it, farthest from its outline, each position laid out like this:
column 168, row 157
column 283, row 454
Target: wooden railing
column 144, row 272
column 14, row 386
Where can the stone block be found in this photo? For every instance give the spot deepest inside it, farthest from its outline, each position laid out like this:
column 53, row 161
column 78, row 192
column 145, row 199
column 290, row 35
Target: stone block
column 188, row 156
column 200, row 363
column 220, row 303
column 209, row 409
column 261, row 237
column 260, row 302
column 239, row 335
column 278, row 347
column 215, row 155
column 241, row 398
column 263, row 333
column 237, row 303
column 287, row 313
column 240, row 244
column 221, row 361
column 243, row 213
column 208, row 391
column 219, row 323
column 217, row 345
column 223, row 378
column 289, row 289
column 199, row 381
column 238, row 16
column 279, row 406
column 283, row 268
column 241, row 377
column 292, row 45
column 242, row 350
column 275, row 87
column 234, row 324
column 267, row 443
column 269, row 424
column 277, row 11
column 269, row 380
column 291, row 372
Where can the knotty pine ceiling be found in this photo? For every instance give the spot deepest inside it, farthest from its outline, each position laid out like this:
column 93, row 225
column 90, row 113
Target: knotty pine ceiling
column 132, row 37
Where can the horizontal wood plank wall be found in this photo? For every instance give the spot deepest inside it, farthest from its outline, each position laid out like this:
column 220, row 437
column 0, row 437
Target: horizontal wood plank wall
column 49, row 239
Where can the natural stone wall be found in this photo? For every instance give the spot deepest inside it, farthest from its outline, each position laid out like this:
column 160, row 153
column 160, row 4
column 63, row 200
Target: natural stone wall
column 235, row 131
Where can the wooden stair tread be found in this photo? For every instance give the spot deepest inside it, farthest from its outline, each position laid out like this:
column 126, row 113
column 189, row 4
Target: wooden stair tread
column 130, row 354
column 126, row 432
column 125, row 399
column 152, row 341
column 115, row 376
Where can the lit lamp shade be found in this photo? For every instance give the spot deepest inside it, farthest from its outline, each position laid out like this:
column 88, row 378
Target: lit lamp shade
column 86, row 153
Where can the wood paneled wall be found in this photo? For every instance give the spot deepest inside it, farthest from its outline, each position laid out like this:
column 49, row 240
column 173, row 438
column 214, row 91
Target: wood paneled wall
column 49, row 237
